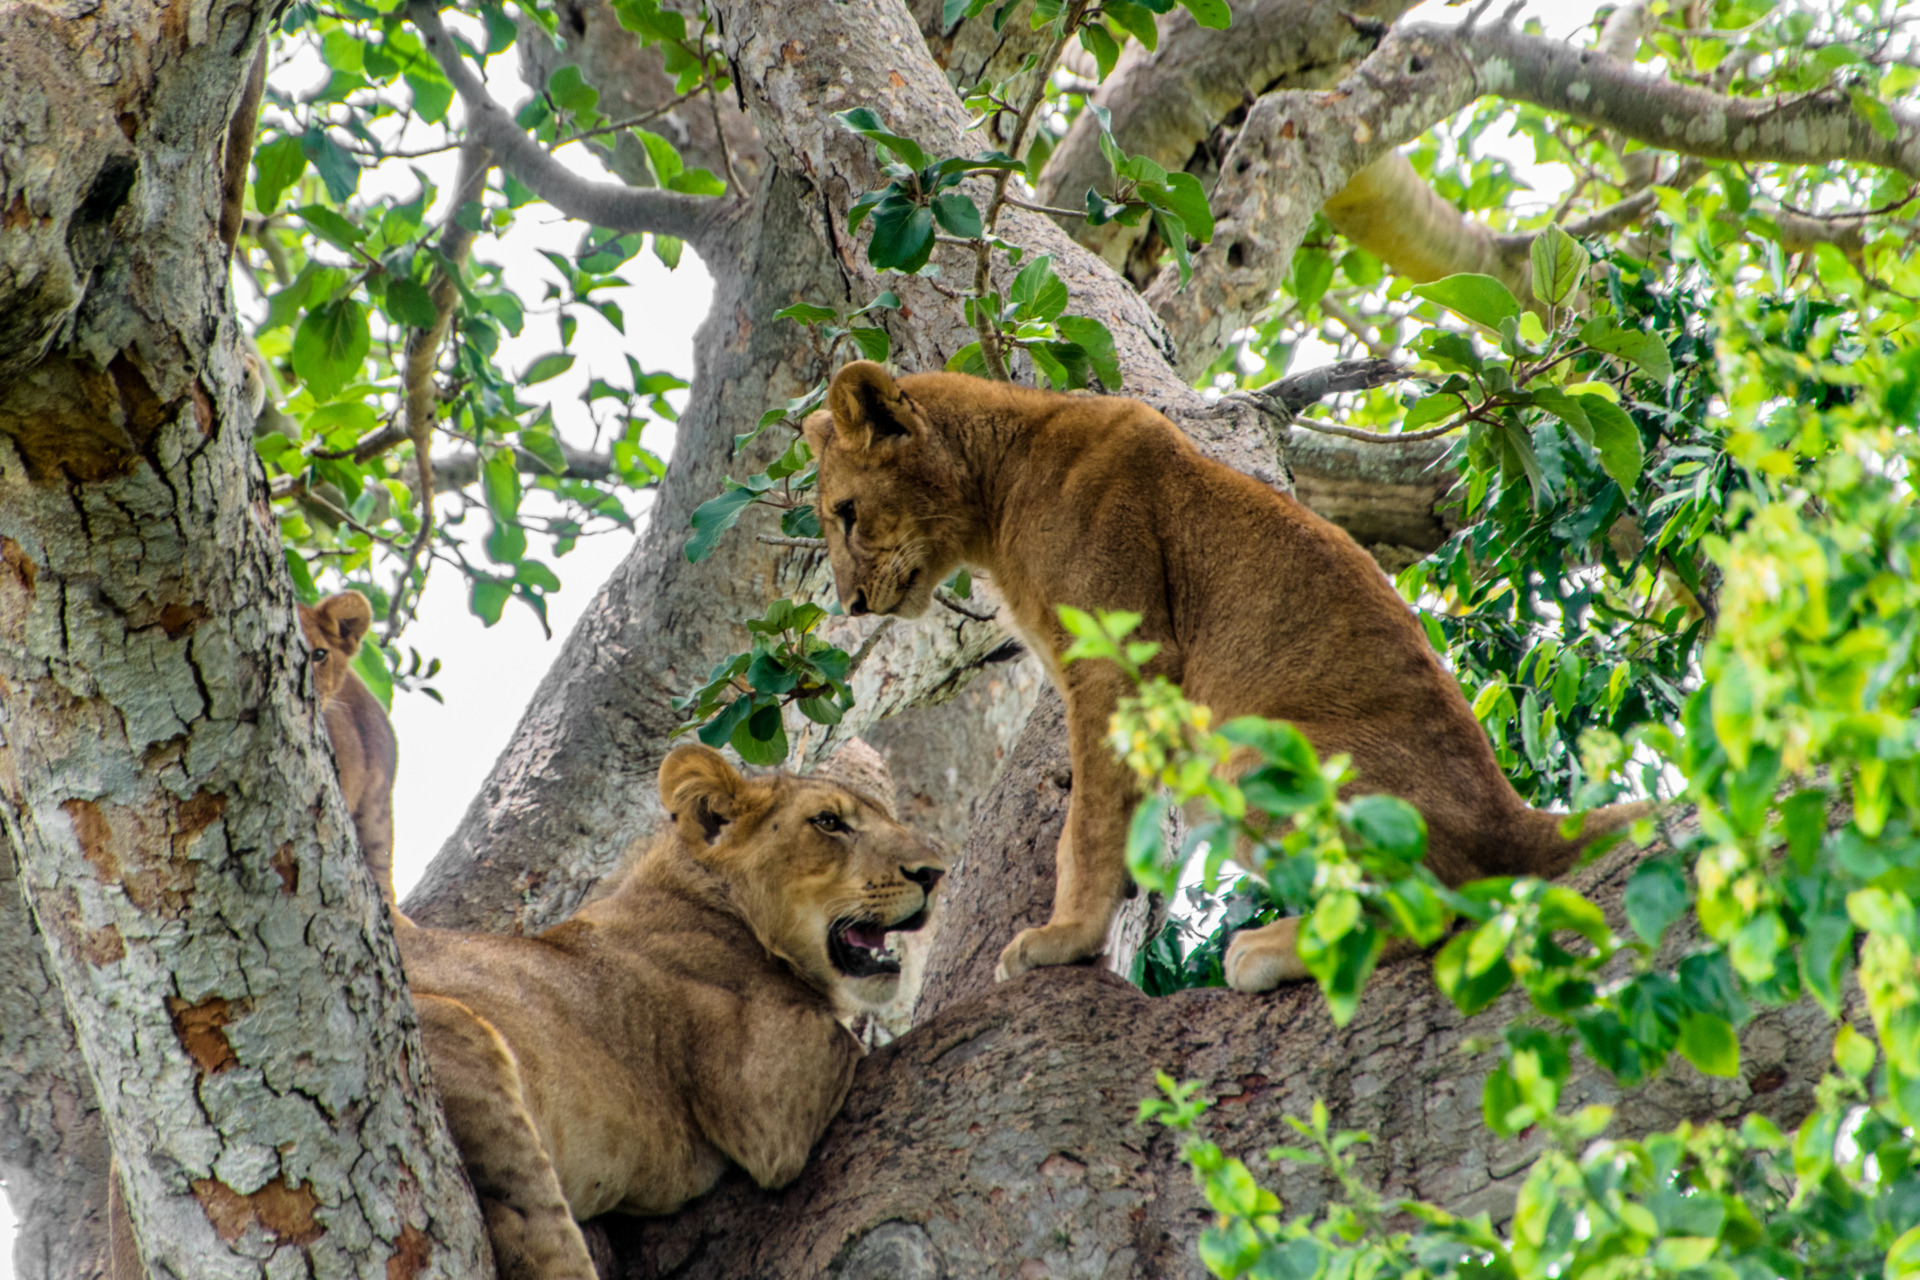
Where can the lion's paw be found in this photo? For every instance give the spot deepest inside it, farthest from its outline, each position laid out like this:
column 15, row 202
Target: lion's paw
column 1262, row 959
column 1050, row 944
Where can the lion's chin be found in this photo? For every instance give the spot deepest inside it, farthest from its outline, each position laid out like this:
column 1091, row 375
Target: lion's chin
column 917, row 598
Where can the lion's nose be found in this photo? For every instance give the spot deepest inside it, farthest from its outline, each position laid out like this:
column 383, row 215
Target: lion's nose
column 925, row 877
column 858, row 605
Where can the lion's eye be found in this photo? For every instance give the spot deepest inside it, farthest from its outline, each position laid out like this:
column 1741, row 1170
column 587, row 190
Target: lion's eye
column 320, row 655
column 845, row 511
column 829, row 821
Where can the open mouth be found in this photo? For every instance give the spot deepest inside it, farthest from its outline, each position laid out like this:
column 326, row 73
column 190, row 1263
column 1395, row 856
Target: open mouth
column 858, row 948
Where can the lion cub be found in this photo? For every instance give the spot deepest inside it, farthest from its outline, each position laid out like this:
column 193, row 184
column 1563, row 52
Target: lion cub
column 686, row 1018
column 1260, row 608
column 364, row 752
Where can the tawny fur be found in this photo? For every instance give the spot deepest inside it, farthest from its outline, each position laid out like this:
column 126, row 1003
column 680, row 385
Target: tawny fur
column 364, row 751
column 1260, row 608
column 688, row 1017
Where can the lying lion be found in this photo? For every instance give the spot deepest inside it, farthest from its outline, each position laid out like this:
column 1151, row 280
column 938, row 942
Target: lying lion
column 1260, row 608
column 687, row 1018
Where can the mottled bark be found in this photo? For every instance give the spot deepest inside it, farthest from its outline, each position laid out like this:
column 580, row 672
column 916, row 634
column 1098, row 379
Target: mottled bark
column 996, row 1140
column 53, row 1145
column 1178, row 104
column 181, row 841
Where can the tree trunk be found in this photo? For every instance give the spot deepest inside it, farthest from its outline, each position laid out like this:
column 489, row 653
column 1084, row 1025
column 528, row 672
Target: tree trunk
column 181, row 842
column 53, row 1146
column 997, row 1138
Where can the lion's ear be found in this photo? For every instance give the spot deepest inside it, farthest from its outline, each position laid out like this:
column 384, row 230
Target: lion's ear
column 347, row 615
column 818, row 429
column 700, row 790
column 867, row 405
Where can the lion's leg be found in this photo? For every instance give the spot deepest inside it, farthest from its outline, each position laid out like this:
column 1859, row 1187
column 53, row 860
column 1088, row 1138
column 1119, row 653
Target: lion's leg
column 1261, row 959
column 1091, row 859
column 532, row 1230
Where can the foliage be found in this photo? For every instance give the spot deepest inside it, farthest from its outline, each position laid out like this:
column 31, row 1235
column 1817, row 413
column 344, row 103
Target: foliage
column 349, row 272
column 1799, row 755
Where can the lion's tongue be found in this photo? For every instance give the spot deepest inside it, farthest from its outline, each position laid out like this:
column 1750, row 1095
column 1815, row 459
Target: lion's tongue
column 870, row 936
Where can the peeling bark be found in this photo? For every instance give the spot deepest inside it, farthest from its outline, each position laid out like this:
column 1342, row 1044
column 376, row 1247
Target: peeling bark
column 181, row 842
column 53, row 1145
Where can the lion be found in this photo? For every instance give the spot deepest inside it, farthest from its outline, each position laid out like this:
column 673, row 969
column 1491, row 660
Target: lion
column 1260, row 607
column 688, row 1017
column 364, row 751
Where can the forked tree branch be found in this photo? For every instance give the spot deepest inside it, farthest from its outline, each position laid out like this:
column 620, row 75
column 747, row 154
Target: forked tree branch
column 603, row 204
column 1297, row 151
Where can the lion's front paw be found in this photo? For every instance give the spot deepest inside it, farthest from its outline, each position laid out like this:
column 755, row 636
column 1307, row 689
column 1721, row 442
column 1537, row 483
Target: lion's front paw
column 1262, row 959
column 1050, row 944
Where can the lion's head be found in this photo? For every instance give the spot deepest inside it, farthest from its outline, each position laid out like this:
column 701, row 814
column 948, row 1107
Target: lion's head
column 821, row 873
column 334, row 629
column 888, row 497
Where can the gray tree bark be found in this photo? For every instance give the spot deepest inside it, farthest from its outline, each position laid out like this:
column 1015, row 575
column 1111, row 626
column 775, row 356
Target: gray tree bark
column 164, row 788
column 53, row 1144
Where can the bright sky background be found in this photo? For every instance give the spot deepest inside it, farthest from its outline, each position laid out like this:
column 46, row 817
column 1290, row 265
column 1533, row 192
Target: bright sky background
column 489, row 675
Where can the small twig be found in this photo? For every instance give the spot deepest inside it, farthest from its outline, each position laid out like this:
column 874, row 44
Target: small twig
column 962, row 607
column 866, row 646
column 777, row 540
column 1051, row 210
column 632, row 121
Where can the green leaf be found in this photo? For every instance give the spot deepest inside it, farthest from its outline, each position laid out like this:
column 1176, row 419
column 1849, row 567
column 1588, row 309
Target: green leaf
column 1389, row 823
column 1213, row 14
column 902, row 236
column 1709, row 1044
column 330, row 345
column 1903, row 1259
column 1037, row 293
column 1135, row 19
column 1874, row 112
column 500, row 484
column 697, row 182
column 662, row 156
column 547, row 366
column 714, row 517
column 1187, row 198
column 330, row 226
column 571, row 92
column 1481, row 299
column 432, row 93
column 1096, row 340
column 873, row 343
column 506, row 543
column 1470, row 993
column 1559, row 264
column 957, row 215
column 862, row 121
column 1616, row 439
column 1644, row 349
column 370, row 663
column 1431, row 409
column 968, row 359
column 1096, row 41
column 488, row 599
column 806, row 313
column 335, row 167
column 277, row 166
column 1655, row 897
column 761, row 738
column 409, row 303
column 1853, row 1053
column 667, row 249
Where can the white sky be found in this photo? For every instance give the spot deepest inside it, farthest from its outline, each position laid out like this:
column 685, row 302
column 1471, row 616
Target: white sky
column 489, row 675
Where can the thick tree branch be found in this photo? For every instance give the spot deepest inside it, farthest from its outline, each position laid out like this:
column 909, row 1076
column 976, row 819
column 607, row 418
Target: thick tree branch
column 997, row 1138
column 1168, row 104
column 1813, row 128
column 603, row 204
